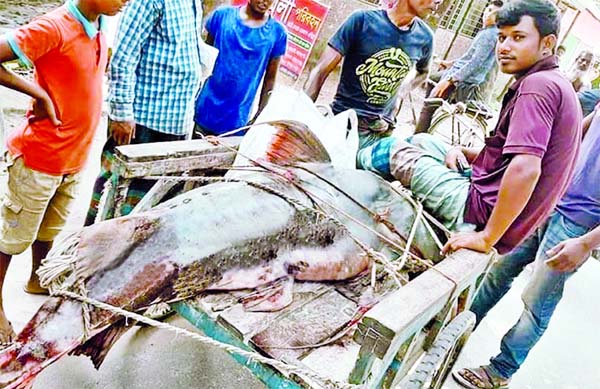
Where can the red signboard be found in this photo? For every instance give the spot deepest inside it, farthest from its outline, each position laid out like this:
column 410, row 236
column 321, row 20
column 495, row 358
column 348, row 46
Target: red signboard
column 303, row 20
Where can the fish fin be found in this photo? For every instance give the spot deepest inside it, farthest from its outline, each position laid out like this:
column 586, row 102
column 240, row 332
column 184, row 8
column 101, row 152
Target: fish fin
column 294, row 142
column 106, row 244
column 270, row 297
column 98, row 346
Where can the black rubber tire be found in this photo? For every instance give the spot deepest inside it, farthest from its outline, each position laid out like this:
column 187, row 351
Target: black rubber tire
column 442, row 354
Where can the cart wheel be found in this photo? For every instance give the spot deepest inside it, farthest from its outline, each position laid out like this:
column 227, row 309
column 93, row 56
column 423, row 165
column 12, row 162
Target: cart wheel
column 460, row 129
column 438, row 361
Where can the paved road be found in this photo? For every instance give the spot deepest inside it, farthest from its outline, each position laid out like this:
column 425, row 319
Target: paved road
column 567, row 356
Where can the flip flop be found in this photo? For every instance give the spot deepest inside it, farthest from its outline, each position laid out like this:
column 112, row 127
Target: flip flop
column 479, row 378
column 46, row 293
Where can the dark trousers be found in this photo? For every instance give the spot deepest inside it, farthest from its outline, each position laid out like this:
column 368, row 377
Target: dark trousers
column 429, row 108
column 138, row 187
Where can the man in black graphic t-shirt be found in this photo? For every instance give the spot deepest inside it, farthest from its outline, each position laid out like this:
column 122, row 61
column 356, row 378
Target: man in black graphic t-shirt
column 380, row 48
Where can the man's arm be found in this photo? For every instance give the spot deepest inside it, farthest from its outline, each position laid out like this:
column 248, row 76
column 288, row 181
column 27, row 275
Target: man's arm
column 329, row 60
column 135, row 26
column 419, row 78
column 43, row 106
column 570, row 254
column 268, row 85
column 516, row 188
column 483, row 49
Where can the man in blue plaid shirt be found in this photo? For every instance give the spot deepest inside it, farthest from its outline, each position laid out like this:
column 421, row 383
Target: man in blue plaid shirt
column 154, row 77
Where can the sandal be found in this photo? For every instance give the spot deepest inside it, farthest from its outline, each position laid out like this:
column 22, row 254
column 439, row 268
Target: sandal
column 40, row 292
column 480, row 378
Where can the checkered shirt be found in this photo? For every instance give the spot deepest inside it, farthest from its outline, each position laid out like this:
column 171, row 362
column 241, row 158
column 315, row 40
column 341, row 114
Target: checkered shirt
column 155, row 70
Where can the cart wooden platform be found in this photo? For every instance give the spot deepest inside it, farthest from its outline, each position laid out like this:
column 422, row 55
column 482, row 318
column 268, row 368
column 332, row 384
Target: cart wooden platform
column 409, row 338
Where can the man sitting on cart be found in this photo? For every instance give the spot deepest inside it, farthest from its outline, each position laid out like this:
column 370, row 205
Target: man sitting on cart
column 462, row 80
column 524, row 168
column 379, row 47
column 559, row 247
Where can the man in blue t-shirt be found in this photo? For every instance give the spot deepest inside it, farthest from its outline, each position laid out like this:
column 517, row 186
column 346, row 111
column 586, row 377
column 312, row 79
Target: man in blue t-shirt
column 251, row 44
column 380, row 48
column 558, row 248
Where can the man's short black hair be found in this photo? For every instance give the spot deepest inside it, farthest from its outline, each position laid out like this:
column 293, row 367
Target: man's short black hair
column 545, row 14
column 497, row 3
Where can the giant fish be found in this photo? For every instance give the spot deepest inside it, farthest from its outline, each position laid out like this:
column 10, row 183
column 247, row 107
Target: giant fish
column 290, row 216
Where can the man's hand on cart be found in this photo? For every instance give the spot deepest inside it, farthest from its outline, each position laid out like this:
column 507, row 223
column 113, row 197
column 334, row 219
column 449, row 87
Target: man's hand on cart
column 467, row 240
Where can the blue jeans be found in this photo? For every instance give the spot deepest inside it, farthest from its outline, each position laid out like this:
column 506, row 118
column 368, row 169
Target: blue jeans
column 540, row 297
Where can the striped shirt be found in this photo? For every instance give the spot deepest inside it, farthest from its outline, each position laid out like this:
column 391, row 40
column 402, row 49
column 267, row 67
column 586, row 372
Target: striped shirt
column 155, row 70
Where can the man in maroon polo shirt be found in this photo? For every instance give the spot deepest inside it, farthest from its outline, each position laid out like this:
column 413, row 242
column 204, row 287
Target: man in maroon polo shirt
column 524, row 167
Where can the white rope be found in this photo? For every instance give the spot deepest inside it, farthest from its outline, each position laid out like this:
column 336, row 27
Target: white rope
column 411, row 237
column 282, row 366
column 59, row 262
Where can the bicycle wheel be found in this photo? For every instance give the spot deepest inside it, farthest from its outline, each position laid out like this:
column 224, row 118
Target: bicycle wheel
column 458, row 129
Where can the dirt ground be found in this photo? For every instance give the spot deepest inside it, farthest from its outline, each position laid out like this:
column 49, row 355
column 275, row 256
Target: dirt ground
column 14, row 13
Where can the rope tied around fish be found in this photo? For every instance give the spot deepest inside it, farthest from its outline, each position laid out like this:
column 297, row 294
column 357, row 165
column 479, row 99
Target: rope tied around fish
column 377, row 217
column 251, row 355
column 55, row 271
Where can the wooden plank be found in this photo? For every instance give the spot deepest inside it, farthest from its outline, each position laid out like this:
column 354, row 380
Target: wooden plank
column 120, row 196
column 399, row 362
column 407, row 310
column 157, row 151
column 267, row 374
column 247, row 324
column 380, row 338
column 309, row 324
column 365, row 359
column 170, row 166
column 154, row 195
column 162, row 158
column 106, row 206
column 334, row 361
column 428, row 293
column 408, row 360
